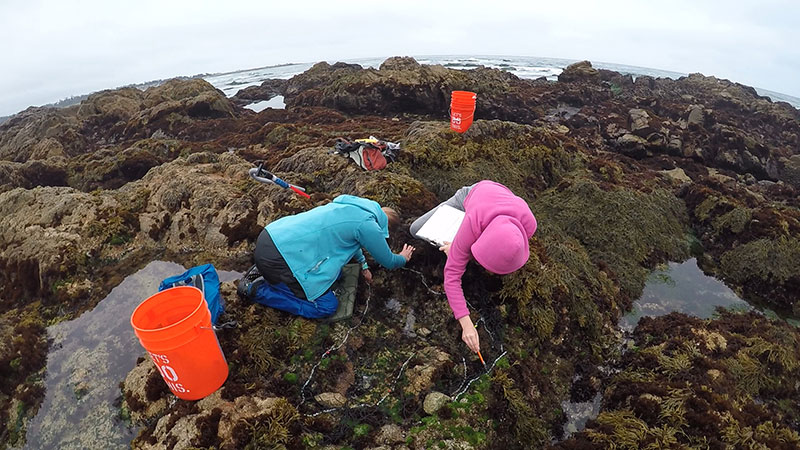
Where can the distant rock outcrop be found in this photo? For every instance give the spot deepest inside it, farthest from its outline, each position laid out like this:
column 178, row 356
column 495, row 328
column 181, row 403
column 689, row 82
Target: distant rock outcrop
column 402, row 85
column 578, row 71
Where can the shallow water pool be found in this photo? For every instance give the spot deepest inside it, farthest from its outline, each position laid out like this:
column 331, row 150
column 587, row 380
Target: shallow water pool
column 88, row 358
column 681, row 287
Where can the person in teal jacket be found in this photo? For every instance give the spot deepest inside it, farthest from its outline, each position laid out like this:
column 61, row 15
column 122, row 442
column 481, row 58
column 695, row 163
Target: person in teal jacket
column 301, row 256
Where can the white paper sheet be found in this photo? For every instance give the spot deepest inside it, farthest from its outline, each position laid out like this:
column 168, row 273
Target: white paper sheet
column 442, row 226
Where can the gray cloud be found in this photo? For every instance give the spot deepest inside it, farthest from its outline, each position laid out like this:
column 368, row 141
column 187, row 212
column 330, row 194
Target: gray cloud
column 54, row 49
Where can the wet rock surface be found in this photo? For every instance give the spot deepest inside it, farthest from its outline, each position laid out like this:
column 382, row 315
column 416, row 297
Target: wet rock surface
column 621, row 175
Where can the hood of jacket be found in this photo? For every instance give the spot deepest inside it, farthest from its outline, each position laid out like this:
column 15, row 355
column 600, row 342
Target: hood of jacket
column 370, row 206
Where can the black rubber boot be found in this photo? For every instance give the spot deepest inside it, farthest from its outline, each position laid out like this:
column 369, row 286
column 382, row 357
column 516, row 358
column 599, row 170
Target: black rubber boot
column 245, row 285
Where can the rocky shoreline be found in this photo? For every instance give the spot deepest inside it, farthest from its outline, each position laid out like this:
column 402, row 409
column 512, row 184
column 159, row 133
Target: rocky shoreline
column 622, row 174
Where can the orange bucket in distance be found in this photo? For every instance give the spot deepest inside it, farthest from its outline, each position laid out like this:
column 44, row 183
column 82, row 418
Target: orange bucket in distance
column 174, row 326
column 462, row 110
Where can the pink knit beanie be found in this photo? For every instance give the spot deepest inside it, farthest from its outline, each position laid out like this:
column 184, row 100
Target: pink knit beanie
column 502, row 247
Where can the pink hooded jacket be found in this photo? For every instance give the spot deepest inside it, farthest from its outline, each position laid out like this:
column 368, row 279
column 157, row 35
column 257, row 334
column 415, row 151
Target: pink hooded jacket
column 496, row 228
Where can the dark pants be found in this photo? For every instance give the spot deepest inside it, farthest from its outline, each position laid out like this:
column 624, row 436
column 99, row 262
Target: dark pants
column 282, row 290
column 273, row 267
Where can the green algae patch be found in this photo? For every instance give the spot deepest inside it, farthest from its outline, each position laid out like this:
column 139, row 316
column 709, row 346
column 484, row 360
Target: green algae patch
column 624, row 229
column 463, row 423
column 772, row 260
column 753, row 244
column 560, row 275
column 733, row 221
column 523, row 158
column 729, row 382
column 270, row 340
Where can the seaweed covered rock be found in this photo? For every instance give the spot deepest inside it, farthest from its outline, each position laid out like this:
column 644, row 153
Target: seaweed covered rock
column 754, row 244
column 524, row 158
column 578, row 71
column 38, row 131
column 625, row 229
column 791, row 171
column 402, row 85
column 175, row 104
column 323, row 172
column 32, row 173
column 200, row 199
column 52, row 237
column 214, row 420
column 112, row 106
column 729, row 382
column 110, row 117
column 143, row 391
column 110, row 168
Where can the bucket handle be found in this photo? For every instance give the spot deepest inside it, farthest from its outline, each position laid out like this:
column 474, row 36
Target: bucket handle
column 471, row 115
column 223, row 326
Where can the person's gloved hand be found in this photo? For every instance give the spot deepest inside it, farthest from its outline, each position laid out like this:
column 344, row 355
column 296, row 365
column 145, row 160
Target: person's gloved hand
column 469, row 334
column 407, row 252
column 446, row 248
column 367, row 275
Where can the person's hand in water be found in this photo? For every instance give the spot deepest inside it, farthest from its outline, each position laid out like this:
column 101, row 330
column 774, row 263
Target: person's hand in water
column 446, row 248
column 469, row 334
column 407, row 252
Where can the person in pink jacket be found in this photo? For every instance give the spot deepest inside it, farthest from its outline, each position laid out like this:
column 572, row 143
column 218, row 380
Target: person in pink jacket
column 495, row 232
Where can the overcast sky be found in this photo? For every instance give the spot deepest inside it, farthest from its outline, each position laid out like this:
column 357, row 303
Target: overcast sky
column 55, row 49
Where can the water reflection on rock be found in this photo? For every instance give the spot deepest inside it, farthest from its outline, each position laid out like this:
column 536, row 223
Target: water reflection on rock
column 578, row 413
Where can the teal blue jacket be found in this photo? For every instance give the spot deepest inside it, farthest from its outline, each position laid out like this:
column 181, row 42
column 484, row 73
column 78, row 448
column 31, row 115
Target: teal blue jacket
column 317, row 243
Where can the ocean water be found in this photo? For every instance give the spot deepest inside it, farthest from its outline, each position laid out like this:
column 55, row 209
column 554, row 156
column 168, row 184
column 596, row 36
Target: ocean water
column 522, row 66
column 274, row 103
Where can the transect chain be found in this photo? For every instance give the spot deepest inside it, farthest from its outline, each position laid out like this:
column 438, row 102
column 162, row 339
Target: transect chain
column 464, row 363
column 463, row 387
column 488, row 331
column 424, row 282
column 466, row 384
column 335, row 347
column 458, row 394
column 366, row 405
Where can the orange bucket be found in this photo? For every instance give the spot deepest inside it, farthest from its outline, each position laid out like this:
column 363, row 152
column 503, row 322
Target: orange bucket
column 462, row 110
column 174, row 326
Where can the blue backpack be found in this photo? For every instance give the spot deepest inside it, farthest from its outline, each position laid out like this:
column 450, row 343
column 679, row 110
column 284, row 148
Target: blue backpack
column 204, row 278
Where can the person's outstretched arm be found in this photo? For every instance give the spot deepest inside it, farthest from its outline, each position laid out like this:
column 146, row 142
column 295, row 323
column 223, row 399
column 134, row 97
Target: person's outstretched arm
column 369, row 235
column 457, row 259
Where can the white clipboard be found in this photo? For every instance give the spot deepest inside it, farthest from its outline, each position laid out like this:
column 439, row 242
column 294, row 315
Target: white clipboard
column 442, row 226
